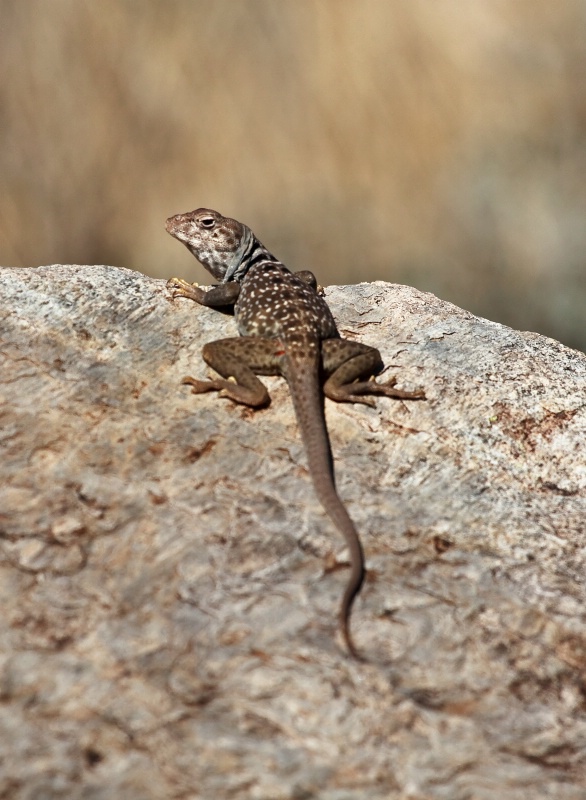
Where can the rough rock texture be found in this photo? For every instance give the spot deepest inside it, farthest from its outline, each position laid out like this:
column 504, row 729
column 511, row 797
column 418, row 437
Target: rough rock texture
column 170, row 585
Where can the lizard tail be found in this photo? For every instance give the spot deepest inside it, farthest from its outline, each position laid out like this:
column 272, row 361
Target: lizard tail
column 304, row 384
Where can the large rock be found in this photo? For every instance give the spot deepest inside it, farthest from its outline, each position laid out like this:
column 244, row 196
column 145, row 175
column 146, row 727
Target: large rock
column 170, row 584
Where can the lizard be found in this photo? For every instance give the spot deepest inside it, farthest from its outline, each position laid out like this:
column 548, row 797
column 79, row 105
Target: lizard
column 286, row 328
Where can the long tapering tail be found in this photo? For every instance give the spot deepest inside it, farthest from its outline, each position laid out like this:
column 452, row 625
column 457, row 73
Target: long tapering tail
column 304, row 383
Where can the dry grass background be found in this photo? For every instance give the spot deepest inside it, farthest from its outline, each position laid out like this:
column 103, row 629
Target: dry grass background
column 439, row 143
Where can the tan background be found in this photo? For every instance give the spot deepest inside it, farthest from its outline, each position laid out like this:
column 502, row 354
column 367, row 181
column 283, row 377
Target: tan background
column 436, row 143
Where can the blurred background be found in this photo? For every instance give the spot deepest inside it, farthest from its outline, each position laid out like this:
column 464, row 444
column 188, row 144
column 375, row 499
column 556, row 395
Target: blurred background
column 435, row 143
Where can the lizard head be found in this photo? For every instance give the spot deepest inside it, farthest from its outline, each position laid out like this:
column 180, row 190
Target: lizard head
column 217, row 242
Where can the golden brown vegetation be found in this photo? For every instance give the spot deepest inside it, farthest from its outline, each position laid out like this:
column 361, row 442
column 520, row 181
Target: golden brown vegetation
column 434, row 143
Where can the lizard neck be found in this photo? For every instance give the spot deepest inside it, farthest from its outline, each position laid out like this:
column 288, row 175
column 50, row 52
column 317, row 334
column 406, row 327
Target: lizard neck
column 249, row 253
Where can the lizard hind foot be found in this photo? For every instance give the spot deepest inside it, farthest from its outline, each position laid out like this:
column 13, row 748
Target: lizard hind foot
column 357, row 392
column 200, row 387
column 231, row 389
column 389, row 389
column 360, row 398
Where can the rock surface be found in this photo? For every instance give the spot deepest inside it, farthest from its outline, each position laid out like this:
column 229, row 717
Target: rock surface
column 170, row 585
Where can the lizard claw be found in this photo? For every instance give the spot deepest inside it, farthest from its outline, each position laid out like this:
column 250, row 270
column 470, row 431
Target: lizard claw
column 181, row 288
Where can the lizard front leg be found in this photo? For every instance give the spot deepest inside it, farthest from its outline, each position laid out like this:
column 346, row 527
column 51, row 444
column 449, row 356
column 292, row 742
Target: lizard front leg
column 238, row 361
column 346, row 363
column 225, row 294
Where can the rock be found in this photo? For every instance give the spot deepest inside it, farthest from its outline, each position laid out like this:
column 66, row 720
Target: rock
column 170, row 585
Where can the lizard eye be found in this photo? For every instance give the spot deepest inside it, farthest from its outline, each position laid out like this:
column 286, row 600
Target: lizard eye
column 207, row 222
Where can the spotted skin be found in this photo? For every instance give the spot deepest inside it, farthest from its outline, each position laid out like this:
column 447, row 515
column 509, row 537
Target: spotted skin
column 286, row 328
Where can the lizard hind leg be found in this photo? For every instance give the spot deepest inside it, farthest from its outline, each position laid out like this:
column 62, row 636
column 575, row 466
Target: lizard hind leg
column 347, row 364
column 238, row 360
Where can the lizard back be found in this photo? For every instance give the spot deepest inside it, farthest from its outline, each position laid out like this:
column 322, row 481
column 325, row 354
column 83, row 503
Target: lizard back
column 274, row 303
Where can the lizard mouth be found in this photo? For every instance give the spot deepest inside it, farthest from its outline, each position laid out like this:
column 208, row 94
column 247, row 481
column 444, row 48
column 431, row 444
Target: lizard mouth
column 173, row 223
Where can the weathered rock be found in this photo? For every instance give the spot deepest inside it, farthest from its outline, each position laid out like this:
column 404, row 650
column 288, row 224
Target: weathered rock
column 168, row 587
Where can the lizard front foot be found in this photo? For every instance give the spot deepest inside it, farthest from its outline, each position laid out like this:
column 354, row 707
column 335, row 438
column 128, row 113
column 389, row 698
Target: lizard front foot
column 181, row 288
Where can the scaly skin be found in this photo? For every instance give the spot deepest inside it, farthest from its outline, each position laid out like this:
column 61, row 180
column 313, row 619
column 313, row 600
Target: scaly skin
column 286, row 328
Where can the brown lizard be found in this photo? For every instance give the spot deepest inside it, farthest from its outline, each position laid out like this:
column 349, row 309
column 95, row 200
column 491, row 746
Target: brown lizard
column 286, row 328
